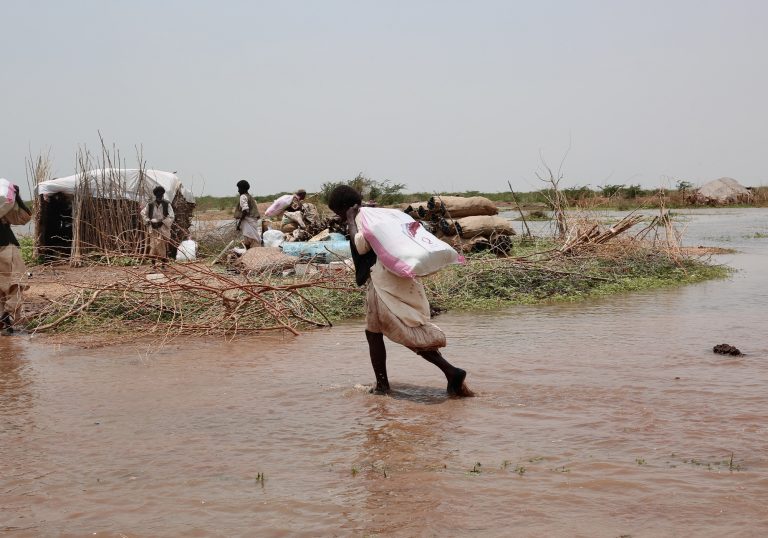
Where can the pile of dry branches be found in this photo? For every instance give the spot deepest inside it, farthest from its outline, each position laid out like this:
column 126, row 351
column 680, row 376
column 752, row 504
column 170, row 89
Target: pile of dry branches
column 591, row 233
column 184, row 299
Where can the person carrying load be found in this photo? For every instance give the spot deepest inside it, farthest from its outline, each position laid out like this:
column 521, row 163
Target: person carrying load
column 294, row 213
column 247, row 216
column 158, row 217
column 12, row 266
column 396, row 306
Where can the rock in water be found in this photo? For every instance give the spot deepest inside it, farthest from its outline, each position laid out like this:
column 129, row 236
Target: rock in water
column 726, row 349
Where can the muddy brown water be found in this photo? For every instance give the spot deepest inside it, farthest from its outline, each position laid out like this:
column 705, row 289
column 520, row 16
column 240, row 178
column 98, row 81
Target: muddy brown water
column 608, row 417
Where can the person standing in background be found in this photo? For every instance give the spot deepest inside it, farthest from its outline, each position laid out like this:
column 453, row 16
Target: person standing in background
column 247, row 216
column 158, row 216
column 12, row 266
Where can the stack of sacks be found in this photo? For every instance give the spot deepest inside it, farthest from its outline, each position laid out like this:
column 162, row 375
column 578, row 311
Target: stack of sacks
column 468, row 224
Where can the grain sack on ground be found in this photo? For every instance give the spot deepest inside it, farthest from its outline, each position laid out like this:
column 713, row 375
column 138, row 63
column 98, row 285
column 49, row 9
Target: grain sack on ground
column 466, row 246
column 264, row 259
column 458, row 206
column 484, row 225
column 455, row 207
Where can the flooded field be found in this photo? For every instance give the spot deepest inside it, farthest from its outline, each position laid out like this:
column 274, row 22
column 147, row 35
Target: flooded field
column 603, row 418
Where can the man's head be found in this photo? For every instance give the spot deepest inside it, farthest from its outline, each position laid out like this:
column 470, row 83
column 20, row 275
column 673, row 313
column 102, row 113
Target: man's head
column 301, row 194
column 243, row 186
column 158, row 192
column 342, row 198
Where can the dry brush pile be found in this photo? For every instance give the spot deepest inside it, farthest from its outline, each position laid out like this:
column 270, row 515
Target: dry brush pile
column 191, row 298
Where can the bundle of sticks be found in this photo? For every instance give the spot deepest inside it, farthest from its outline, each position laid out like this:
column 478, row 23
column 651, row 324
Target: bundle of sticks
column 189, row 298
column 593, row 234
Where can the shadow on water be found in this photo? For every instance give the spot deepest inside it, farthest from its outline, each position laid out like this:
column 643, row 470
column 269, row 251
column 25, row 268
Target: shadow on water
column 411, row 393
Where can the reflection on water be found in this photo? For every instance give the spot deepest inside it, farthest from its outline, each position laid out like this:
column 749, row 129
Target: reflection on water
column 603, row 418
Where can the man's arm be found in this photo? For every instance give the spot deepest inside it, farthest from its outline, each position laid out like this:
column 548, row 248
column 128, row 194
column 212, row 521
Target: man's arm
column 351, row 224
column 244, row 210
column 20, row 202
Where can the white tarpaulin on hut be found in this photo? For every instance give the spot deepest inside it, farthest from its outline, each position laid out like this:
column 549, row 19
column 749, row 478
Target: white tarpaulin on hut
column 108, row 182
column 724, row 190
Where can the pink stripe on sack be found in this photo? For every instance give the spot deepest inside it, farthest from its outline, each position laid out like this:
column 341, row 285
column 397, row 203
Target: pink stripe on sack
column 393, row 263
column 11, row 195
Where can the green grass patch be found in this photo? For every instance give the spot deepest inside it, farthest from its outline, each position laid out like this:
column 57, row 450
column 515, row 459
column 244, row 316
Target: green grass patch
column 491, row 284
column 27, row 246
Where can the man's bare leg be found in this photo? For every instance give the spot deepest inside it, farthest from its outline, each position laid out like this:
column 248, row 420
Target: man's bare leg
column 378, row 360
column 454, row 375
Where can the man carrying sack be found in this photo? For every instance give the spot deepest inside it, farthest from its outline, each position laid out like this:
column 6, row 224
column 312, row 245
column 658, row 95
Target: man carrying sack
column 12, row 266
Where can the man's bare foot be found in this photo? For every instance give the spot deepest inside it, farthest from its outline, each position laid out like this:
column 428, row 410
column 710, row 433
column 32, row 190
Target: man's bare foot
column 380, row 389
column 457, row 387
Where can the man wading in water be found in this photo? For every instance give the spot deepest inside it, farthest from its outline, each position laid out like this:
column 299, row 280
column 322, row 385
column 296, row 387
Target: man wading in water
column 395, row 306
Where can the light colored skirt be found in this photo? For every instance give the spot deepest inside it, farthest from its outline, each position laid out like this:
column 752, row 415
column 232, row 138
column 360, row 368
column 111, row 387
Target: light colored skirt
column 12, row 271
column 380, row 319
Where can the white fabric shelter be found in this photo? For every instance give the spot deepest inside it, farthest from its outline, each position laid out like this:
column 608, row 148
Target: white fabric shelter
column 104, row 183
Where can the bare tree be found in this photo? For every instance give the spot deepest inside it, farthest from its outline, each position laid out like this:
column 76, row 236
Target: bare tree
column 555, row 198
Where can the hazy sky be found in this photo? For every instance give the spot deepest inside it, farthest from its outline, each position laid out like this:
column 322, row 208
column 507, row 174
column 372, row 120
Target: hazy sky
column 440, row 95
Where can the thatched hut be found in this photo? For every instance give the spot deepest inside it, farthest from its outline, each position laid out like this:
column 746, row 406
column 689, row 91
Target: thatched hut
column 99, row 211
column 722, row 191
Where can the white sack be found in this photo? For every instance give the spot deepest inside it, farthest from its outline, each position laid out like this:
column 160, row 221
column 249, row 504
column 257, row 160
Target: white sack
column 403, row 245
column 187, row 250
column 273, row 238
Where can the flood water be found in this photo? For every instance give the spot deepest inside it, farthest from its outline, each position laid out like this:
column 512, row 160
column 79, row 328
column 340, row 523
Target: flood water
column 607, row 418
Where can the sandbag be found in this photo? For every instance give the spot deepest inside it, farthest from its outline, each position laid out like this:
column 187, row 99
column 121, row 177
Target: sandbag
column 475, row 244
column 460, row 206
column 403, row 245
column 265, row 259
column 484, row 226
column 279, row 205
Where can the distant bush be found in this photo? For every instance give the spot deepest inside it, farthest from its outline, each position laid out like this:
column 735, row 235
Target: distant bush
column 610, row 190
column 633, row 191
column 382, row 192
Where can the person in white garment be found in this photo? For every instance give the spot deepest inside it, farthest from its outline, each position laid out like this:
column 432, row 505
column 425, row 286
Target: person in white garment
column 247, row 216
column 158, row 216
